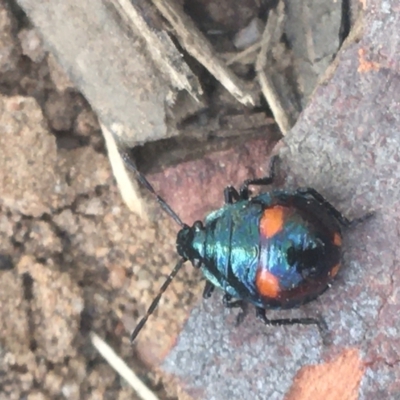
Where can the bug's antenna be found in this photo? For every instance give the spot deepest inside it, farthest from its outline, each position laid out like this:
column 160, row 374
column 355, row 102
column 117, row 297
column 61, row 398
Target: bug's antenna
column 155, row 302
column 147, row 185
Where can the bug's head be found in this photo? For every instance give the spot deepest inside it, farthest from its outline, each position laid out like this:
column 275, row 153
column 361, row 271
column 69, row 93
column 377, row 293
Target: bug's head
column 190, row 243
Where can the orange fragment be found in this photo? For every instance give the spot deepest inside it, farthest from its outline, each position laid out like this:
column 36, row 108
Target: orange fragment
column 337, row 240
column 338, row 379
column 334, row 270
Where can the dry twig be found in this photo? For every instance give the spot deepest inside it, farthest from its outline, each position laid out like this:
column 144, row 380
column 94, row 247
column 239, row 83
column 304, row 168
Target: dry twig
column 122, row 368
column 162, row 50
column 199, row 47
column 272, row 33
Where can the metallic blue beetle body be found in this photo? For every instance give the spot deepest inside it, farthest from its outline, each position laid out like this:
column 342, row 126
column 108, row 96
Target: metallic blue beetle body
column 234, row 254
column 277, row 250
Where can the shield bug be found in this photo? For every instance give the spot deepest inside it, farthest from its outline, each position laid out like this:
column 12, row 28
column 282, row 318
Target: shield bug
column 276, row 250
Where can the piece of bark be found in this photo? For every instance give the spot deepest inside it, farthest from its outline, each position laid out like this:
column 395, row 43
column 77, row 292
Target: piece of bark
column 130, row 74
column 199, row 47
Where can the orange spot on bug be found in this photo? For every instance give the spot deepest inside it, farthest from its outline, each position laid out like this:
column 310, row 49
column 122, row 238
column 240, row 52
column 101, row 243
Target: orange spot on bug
column 337, row 240
column 334, row 270
column 267, row 283
column 271, row 221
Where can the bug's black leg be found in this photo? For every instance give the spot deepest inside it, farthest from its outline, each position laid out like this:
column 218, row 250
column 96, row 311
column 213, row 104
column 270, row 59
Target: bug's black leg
column 332, row 210
column 319, row 322
column 230, row 194
column 208, row 289
column 321, row 199
column 228, row 303
column 267, row 180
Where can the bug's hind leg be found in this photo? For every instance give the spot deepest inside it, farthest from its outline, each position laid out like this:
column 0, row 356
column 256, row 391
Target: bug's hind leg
column 265, row 181
column 319, row 322
column 331, row 209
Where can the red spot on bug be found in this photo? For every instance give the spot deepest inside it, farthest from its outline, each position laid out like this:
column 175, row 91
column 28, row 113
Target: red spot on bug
column 337, row 239
column 272, row 221
column 334, row 270
column 267, row 283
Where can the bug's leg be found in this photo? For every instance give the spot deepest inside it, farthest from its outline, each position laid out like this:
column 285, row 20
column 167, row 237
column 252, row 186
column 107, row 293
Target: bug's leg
column 331, row 209
column 319, row 322
column 321, row 199
column 228, row 303
column 267, row 180
column 208, row 289
column 230, row 195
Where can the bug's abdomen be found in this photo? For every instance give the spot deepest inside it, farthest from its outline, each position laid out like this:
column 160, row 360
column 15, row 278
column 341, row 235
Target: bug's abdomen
column 277, row 250
column 298, row 256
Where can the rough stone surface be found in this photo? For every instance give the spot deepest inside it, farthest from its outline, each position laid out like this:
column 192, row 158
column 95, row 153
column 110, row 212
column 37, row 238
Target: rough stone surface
column 9, row 47
column 28, row 157
column 345, row 144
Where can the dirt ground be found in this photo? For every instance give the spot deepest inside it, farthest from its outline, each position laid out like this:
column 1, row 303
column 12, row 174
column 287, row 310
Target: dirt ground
column 73, row 258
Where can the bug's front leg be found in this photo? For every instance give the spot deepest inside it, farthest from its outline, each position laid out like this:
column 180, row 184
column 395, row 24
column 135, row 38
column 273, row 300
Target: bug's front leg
column 229, row 303
column 231, row 195
column 265, row 181
column 208, row 290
